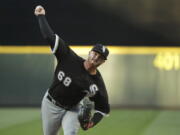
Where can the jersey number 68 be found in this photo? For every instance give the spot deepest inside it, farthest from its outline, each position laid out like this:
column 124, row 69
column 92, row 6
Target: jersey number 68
column 65, row 79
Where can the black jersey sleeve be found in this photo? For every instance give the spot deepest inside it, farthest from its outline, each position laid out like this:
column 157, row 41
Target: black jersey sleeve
column 101, row 99
column 58, row 46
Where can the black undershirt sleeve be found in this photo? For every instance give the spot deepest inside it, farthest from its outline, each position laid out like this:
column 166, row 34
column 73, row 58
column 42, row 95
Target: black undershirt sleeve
column 58, row 46
column 46, row 30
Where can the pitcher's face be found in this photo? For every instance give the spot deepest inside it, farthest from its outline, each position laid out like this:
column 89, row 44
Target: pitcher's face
column 95, row 58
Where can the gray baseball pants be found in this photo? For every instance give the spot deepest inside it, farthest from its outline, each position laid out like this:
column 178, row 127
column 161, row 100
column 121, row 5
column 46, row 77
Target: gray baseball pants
column 55, row 117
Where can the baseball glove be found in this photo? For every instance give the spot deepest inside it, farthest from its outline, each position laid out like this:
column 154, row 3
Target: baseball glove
column 85, row 114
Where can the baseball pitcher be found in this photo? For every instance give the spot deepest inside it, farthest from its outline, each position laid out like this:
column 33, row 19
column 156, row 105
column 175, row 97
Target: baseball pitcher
column 75, row 78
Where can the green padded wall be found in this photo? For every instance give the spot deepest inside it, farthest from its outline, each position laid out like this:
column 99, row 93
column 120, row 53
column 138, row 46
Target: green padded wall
column 24, row 78
column 134, row 81
column 131, row 80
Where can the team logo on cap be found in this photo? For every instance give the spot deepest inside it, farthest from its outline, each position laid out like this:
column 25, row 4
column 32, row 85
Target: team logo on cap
column 103, row 49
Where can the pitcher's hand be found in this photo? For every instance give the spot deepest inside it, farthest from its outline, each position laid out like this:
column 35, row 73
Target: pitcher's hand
column 39, row 10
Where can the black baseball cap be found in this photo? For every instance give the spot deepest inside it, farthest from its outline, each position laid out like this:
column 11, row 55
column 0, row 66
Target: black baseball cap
column 101, row 49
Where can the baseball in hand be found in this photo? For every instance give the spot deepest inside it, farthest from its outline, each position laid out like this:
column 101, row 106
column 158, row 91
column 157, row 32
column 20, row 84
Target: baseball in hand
column 39, row 10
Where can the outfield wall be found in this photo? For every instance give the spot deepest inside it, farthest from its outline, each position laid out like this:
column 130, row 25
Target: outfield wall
column 24, row 78
column 134, row 76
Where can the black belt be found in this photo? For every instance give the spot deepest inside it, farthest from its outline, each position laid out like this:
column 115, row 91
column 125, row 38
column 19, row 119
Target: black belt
column 57, row 103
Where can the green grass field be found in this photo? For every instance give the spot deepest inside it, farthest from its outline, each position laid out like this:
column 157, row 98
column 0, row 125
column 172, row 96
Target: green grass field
column 120, row 122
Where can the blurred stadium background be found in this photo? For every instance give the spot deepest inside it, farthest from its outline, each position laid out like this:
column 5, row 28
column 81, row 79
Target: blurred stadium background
column 142, row 73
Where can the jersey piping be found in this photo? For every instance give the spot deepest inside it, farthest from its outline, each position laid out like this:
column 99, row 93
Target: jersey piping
column 56, row 44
